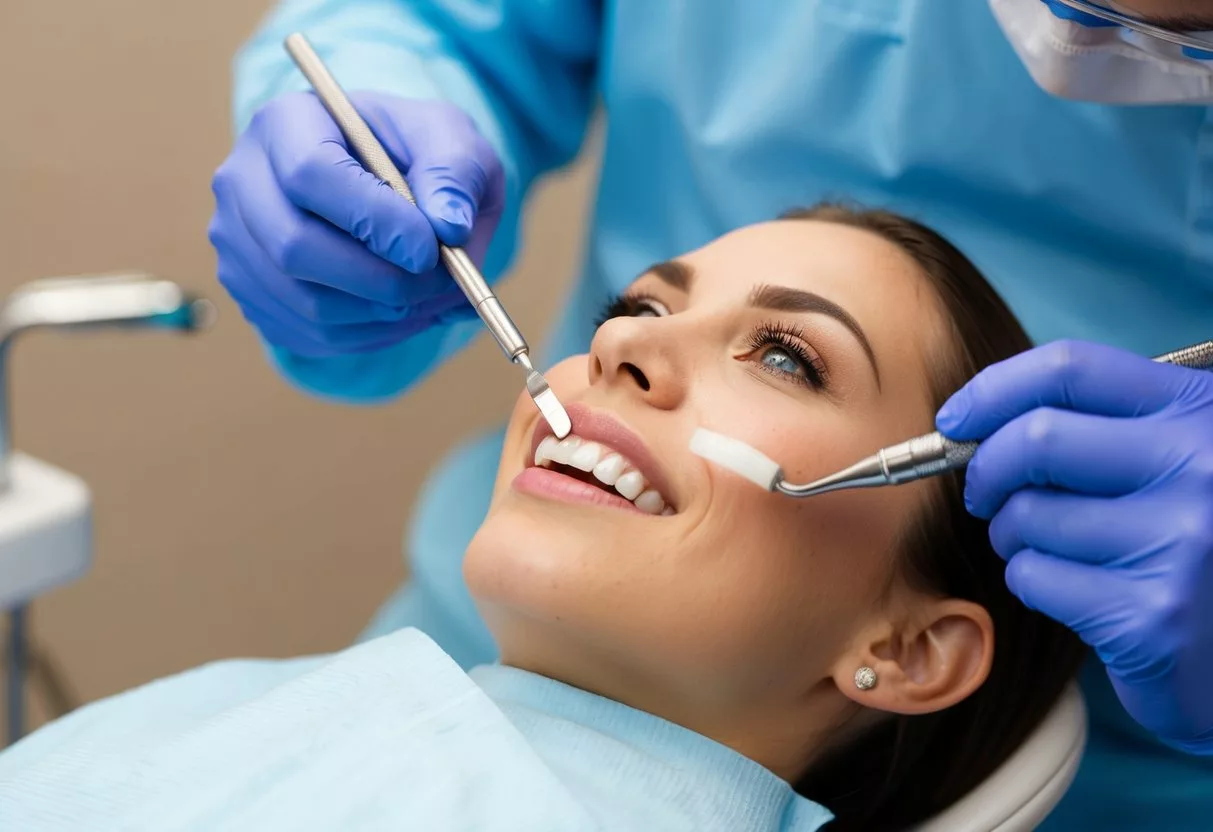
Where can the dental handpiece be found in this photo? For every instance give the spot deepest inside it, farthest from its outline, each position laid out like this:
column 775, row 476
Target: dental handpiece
column 915, row 459
column 373, row 156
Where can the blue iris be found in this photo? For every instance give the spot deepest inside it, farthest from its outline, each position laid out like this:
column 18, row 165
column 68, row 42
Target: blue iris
column 778, row 359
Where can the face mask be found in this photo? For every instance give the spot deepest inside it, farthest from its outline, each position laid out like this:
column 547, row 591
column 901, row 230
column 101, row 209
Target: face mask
column 1107, row 64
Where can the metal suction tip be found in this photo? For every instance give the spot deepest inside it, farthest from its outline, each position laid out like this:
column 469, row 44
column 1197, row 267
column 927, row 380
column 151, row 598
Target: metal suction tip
column 864, row 474
column 551, row 408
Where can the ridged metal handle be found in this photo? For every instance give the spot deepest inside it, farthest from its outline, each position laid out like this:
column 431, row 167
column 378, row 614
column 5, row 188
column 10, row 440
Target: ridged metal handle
column 958, row 454
column 924, row 456
column 1197, row 357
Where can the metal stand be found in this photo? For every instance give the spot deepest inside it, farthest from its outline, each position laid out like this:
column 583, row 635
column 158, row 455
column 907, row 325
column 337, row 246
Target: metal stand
column 16, row 658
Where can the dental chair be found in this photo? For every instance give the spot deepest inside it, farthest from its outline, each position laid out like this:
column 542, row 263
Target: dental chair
column 1024, row 789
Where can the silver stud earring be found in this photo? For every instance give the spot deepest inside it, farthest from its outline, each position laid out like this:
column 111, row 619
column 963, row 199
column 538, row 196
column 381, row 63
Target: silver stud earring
column 865, row 678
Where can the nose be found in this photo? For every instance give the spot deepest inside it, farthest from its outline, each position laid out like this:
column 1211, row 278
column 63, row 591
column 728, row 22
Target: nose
column 641, row 356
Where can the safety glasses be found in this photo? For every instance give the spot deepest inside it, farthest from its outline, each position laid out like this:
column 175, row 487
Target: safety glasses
column 1199, row 41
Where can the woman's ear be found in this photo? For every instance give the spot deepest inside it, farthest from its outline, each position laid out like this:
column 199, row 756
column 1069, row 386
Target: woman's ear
column 922, row 666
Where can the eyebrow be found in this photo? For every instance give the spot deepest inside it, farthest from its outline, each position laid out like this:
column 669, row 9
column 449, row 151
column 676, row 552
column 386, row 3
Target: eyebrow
column 777, row 298
column 675, row 274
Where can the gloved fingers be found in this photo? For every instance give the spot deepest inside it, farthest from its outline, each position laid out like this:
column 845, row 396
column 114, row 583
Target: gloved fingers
column 300, row 245
column 1049, row 448
column 283, row 327
column 1075, row 375
column 457, row 313
column 326, row 341
column 447, row 306
column 1093, row 601
column 337, row 341
column 316, row 172
column 310, row 301
column 240, row 264
column 453, row 171
column 1094, row 530
column 1198, row 54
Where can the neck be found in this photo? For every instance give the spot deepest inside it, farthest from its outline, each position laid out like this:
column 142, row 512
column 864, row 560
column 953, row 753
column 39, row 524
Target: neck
column 781, row 734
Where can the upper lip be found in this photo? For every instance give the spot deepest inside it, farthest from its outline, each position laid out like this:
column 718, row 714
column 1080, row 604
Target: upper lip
column 599, row 426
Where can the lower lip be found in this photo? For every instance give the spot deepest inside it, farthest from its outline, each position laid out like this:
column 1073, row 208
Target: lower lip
column 552, row 485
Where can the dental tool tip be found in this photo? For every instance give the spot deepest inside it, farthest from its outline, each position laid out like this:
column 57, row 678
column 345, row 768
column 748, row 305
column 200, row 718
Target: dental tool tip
column 737, row 456
column 551, row 408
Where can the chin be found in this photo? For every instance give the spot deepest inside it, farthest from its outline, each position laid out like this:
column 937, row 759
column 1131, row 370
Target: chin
column 529, row 562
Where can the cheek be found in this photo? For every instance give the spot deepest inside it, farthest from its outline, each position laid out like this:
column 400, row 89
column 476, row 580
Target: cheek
column 801, row 577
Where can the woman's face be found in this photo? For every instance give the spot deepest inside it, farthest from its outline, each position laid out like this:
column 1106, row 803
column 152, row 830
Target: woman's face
column 808, row 340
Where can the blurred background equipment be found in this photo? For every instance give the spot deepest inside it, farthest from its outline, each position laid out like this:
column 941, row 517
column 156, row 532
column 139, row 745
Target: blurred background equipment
column 45, row 513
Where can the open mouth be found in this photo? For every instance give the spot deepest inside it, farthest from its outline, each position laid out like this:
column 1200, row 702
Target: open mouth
column 601, row 462
column 601, row 466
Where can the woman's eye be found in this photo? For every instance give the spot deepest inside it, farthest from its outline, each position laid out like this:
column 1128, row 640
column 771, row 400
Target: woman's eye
column 777, row 358
column 781, row 351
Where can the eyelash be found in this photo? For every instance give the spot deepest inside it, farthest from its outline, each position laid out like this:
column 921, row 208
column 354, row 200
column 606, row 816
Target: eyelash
column 788, row 337
column 625, row 306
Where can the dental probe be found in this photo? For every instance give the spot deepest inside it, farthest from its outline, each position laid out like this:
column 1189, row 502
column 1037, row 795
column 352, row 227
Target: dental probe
column 372, row 155
column 915, row 459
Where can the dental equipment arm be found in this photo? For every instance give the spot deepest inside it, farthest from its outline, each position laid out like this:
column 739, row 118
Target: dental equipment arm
column 72, row 304
column 372, row 155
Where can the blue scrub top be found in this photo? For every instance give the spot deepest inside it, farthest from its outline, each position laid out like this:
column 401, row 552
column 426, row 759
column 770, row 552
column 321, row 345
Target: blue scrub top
column 1093, row 221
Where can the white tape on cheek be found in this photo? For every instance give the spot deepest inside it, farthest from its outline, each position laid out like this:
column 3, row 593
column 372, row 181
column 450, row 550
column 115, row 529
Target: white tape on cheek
column 736, row 456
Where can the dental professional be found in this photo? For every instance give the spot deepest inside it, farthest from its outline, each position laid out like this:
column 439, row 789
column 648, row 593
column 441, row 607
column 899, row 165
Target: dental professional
column 1066, row 147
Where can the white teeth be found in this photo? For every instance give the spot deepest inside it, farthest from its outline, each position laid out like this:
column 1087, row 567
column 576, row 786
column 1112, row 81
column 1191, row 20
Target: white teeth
column 609, row 468
column 585, row 456
column 630, row 484
column 543, row 453
column 650, row 502
column 564, row 449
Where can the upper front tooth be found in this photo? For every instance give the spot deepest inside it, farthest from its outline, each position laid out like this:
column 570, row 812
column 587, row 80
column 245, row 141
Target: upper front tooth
column 630, row 484
column 564, row 449
column 585, row 456
column 609, row 468
column 544, row 451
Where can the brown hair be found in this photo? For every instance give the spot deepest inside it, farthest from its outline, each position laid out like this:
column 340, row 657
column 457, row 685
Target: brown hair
column 909, row 768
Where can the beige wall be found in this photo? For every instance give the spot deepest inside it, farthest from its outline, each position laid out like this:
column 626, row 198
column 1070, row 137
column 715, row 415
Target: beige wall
column 234, row 516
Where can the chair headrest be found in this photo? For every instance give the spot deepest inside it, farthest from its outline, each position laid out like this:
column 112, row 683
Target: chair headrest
column 1026, row 787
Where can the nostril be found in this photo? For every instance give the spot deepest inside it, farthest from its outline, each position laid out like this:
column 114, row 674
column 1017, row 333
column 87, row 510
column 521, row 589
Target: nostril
column 639, row 376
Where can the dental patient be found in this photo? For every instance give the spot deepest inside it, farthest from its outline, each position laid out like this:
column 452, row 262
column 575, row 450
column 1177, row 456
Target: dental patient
column 680, row 650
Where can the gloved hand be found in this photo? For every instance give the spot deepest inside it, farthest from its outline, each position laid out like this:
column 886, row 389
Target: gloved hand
column 1098, row 474
column 1065, row 12
column 324, row 258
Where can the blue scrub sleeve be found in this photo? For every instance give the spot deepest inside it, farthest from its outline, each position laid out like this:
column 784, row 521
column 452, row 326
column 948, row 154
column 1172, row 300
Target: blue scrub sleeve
column 524, row 70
